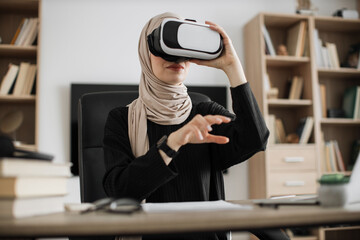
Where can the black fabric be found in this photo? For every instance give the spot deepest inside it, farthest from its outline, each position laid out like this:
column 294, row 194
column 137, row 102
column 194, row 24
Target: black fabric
column 270, row 234
column 196, row 173
column 93, row 112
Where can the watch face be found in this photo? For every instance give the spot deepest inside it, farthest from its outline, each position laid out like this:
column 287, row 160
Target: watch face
column 162, row 140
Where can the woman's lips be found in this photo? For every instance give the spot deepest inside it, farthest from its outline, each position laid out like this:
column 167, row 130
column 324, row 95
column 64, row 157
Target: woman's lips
column 175, row 67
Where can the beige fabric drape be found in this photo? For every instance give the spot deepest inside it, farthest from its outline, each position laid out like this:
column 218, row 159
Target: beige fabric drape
column 158, row 101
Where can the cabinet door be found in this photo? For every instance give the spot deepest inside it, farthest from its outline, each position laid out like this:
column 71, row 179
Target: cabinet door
column 292, row 159
column 284, row 183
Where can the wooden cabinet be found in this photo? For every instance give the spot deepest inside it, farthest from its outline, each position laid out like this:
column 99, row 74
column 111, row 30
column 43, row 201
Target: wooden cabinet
column 11, row 15
column 345, row 131
column 284, row 168
column 278, row 170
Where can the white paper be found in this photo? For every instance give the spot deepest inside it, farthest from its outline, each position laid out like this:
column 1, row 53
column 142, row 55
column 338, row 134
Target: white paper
column 193, row 206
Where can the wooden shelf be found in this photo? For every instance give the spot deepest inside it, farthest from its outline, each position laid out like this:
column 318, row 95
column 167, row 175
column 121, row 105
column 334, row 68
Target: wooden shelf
column 283, row 115
column 279, row 72
column 17, row 51
column 346, row 173
column 11, row 98
column 281, row 20
column 285, row 61
column 337, row 24
column 19, row 5
column 12, row 13
column 339, row 73
column 340, row 121
column 304, row 238
column 289, row 102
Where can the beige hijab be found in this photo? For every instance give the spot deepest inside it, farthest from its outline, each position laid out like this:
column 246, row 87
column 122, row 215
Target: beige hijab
column 158, row 101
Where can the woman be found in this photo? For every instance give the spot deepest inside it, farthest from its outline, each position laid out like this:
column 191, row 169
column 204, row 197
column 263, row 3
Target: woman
column 204, row 137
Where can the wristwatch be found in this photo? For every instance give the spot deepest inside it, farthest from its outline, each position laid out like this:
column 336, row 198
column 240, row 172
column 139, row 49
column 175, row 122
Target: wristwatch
column 162, row 144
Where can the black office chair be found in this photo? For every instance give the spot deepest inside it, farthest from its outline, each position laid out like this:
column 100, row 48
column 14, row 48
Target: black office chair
column 93, row 111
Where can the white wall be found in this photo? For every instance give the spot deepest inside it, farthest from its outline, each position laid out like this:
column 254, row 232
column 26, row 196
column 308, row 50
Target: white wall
column 95, row 41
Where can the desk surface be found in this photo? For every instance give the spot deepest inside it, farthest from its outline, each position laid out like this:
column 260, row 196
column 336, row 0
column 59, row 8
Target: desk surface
column 103, row 223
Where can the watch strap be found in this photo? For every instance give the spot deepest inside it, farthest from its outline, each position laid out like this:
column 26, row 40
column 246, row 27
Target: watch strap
column 162, row 144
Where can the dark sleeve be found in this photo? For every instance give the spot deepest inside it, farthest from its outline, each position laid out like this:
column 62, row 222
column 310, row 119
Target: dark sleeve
column 127, row 176
column 248, row 133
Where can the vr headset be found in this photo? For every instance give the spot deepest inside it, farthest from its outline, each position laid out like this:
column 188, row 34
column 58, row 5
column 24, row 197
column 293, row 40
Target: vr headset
column 179, row 40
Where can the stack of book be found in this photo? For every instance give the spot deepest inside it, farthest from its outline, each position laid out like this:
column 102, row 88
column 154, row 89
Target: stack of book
column 333, row 160
column 19, row 80
column 325, row 52
column 296, row 87
column 26, row 33
column 304, row 129
column 31, row 187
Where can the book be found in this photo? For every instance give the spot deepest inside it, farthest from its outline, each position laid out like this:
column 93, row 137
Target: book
column 296, row 87
column 17, row 31
column 333, row 55
column 305, row 43
column 21, row 78
column 9, row 79
column 270, row 123
column 322, row 152
column 268, row 41
column 305, row 129
column 18, row 187
column 29, row 81
column 21, row 32
column 270, row 91
column 33, row 31
column 357, row 104
column 26, row 207
column 30, row 26
column 24, row 31
column 323, row 100
column 318, row 45
column 13, row 167
column 325, row 57
column 280, row 130
column 349, row 101
column 296, row 39
column 327, row 157
column 333, row 162
column 339, row 158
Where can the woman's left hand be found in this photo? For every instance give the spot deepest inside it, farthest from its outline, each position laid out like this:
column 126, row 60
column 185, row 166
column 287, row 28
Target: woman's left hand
column 228, row 61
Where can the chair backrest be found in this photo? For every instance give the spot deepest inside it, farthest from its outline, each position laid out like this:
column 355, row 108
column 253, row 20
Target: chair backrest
column 93, row 111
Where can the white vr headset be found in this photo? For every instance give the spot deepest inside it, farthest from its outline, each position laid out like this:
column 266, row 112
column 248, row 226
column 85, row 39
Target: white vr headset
column 179, row 40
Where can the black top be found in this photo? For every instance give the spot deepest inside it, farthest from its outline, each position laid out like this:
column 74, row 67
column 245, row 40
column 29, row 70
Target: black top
column 195, row 174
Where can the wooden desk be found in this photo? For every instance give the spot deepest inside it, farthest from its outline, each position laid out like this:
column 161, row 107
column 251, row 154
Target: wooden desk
column 103, row 223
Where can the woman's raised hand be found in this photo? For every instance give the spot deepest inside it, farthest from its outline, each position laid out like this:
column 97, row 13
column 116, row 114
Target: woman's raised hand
column 198, row 131
column 228, row 61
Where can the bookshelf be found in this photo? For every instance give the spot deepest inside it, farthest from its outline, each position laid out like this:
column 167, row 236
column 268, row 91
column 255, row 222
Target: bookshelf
column 344, row 33
column 292, row 168
column 11, row 15
column 263, row 66
column 285, row 168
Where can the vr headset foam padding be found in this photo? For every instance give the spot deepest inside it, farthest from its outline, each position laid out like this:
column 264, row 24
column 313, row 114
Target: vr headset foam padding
column 179, row 40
